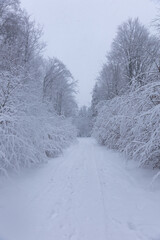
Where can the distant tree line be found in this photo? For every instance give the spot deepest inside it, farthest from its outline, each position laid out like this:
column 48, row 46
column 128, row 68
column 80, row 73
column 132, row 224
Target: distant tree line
column 83, row 122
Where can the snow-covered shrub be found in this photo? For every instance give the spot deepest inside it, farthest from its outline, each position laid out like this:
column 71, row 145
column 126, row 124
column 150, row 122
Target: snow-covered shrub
column 58, row 134
column 27, row 141
column 131, row 124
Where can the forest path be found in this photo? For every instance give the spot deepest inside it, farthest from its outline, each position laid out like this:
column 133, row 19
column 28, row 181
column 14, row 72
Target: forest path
column 86, row 194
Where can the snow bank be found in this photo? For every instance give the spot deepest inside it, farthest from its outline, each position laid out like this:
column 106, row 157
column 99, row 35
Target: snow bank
column 131, row 124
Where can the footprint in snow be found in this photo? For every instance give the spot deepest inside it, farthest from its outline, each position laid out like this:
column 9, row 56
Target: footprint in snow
column 131, row 226
column 53, row 214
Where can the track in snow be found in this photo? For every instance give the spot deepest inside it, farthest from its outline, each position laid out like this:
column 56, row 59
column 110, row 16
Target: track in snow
column 86, row 194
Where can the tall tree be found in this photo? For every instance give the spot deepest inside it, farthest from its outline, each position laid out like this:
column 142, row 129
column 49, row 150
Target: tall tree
column 132, row 62
column 59, row 88
column 135, row 51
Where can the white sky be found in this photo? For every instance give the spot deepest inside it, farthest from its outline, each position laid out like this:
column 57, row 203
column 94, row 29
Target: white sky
column 80, row 32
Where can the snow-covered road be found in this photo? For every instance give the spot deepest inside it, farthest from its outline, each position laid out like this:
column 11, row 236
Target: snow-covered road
column 87, row 194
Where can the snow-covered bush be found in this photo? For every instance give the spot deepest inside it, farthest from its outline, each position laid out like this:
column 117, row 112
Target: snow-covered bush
column 27, row 141
column 131, row 124
column 58, row 134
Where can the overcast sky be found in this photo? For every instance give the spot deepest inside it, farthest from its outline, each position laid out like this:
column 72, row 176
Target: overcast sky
column 80, row 32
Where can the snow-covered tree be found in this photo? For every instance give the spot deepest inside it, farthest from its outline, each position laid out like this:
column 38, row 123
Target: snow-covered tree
column 59, row 88
column 135, row 51
column 132, row 61
column 29, row 131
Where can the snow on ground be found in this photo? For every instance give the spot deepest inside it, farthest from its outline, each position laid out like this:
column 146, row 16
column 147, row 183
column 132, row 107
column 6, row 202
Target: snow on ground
column 89, row 193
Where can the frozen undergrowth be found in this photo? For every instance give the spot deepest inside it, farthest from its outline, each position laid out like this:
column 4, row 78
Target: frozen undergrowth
column 131, row 124
column 27, row 141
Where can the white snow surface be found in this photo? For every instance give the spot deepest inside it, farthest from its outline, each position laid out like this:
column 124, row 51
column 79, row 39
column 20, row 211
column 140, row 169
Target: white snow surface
column 88, row 193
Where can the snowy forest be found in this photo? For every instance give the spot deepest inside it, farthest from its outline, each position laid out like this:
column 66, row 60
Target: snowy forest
column 70, row 171
column 39, row 112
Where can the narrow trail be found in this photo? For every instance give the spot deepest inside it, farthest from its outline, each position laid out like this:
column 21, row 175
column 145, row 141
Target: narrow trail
column 75, row 208
column 86, row 194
